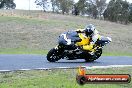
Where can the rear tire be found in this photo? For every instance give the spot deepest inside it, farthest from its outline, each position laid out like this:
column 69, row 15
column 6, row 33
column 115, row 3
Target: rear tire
column 53, row 55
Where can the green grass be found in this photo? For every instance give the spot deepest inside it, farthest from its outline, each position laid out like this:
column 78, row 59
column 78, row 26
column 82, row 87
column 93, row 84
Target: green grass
column 58, row 78
column 44, row 52
column 29, row 21
column 116, row 54
column 23, row 51
column 34, row 21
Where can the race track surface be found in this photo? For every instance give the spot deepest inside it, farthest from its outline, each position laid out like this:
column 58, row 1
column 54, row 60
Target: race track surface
column 15, row 62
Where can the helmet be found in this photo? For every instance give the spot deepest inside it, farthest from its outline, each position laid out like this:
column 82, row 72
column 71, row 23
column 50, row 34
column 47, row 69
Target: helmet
column 89, row 29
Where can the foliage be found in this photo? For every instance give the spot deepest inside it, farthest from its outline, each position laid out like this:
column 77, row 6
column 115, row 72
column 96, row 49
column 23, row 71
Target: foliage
column 117, row 11
column 42, row 3
column 55, row 5
column 7, row 4
column 130, row 11
column 101, row 5
column 81, row 4
column 63, row 5
column 93, row 8
column 75, row 10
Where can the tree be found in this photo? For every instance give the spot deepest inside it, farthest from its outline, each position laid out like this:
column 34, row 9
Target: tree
column 95, row 8
column 101, row 5
column 55, row 5
column 92, row 8
column 117, row 11
column 75, row 10
column 65, row 5
column 7, row 4
column 42, row 3
column 130, row 12
column 124, row 12
column 109, row 12
column 81, row 4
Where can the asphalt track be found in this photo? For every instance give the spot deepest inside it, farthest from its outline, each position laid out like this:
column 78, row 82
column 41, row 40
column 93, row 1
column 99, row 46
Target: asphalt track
column 15, row 62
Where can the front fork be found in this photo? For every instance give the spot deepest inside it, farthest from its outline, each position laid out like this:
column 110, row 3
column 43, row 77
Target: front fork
column 60, row 50
column 95, row 49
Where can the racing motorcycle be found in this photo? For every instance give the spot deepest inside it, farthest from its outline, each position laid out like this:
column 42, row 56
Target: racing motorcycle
column 69, row 47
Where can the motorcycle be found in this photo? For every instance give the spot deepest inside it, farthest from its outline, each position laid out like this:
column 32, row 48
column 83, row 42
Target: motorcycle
column 69, row 48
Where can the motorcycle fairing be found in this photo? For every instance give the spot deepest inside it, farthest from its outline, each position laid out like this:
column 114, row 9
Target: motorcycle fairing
column 69, row 38
column 104, row 40
column 85, row 40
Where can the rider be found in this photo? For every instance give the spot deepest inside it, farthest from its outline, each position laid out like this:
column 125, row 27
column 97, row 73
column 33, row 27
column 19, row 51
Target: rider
column 91, row 33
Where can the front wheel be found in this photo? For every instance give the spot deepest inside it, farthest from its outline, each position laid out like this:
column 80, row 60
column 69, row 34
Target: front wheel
column 98, row 53
column 53, row 55
column 91, row 58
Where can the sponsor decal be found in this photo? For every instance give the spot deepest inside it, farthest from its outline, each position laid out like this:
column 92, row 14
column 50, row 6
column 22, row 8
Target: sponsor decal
column 83, row 78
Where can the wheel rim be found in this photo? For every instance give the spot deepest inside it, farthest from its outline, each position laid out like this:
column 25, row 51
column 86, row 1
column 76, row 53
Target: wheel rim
column 98, row 53
column 95, row 56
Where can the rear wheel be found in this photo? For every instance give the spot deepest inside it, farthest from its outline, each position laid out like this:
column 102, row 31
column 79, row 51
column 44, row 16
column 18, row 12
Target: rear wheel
column 53, row 55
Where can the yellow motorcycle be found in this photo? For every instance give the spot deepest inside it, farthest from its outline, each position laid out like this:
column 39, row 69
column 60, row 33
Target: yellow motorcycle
column 69, row 47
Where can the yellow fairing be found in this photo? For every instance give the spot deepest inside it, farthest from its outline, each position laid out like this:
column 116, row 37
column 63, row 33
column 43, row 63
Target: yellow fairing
column 88, row 47
column 85, row 40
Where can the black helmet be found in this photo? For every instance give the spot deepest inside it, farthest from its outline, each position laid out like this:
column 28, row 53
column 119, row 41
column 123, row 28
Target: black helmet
column 89, row 30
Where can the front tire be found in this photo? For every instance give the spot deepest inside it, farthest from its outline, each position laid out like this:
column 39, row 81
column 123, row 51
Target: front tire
column 91, row 58
column 98, row 52
column 53, row 55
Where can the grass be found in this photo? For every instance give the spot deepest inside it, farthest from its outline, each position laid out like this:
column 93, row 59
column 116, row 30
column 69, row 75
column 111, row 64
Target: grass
column 22, row 51
column 37, row 31
column 57, row 78
column 44, row 52
column 117, row 54
column 36, row 21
